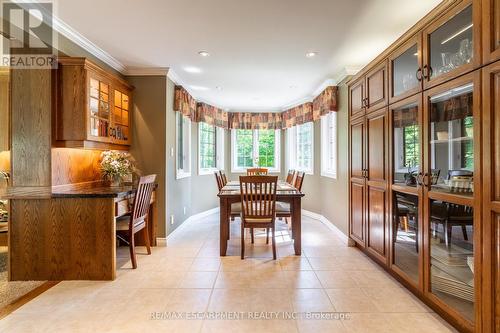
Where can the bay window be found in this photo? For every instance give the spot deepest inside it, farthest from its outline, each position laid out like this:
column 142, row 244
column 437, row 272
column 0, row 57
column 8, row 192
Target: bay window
column 255, row 148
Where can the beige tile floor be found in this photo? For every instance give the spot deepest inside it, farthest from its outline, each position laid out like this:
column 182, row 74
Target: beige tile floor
column 188, row 276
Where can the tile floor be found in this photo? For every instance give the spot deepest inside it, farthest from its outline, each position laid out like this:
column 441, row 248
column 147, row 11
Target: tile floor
column 188, row 277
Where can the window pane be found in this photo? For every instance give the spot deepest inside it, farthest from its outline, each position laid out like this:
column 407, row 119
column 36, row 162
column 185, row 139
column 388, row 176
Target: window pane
column 207, row 153
column 267, row 141
column 180, row 141
column 244, row 144
column 304, row 146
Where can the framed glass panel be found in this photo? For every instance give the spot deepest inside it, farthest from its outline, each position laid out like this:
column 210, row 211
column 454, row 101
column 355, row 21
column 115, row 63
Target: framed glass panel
column 404, row 71
column 267, row 143
column 406, row 145
column 452, row 141
column 452, row 255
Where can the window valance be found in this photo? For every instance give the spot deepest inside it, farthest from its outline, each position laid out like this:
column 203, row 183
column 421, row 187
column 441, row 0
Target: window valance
column 458, row 107
column 310, row 111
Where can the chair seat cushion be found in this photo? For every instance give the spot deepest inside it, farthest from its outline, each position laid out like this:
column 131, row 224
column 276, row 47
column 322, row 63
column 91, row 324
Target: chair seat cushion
column 258, row 220
column 122, row 223
column 282, row 207
column 236, row 208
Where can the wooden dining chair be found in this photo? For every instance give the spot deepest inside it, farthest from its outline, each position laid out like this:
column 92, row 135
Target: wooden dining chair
column 235, row 207
column 257, row 172
column 283, row 209
column 223, row 177
column 137, row 219
column 258, row 206
column 290, row 176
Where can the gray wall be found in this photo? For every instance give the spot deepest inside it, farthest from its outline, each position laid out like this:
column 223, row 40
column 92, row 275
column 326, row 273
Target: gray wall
column 149, row 134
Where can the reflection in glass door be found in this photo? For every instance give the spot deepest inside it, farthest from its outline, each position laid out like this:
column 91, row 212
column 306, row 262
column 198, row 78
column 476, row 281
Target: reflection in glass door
column 406, row 143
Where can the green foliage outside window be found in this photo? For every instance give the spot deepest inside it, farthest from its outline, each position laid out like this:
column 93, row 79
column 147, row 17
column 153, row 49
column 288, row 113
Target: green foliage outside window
column 266, row 145
column 207, row 146
column 411, row 146
column 468, row 145
column 266, row 148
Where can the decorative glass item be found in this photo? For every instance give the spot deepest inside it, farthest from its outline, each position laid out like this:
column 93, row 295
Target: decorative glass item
column 116, row 165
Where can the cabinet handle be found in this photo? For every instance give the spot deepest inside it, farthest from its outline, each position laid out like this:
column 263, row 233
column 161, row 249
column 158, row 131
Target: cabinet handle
column 425, row 177
column 427, row 72
column 419, row 74
column 419, row 179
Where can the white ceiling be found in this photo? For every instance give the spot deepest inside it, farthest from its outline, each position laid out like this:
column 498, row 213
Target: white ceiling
column 257, row 47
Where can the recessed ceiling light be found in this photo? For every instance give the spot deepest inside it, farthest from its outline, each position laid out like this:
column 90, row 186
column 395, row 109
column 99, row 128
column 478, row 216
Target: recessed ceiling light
column 293, row 86
column 204, row 53
column 199, row 88
column 226, row 109
column 311, row 54
column 218, row 88
column 192, row 69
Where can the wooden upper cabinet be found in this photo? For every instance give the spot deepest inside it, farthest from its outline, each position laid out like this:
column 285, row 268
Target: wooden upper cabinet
column 357, row 98
column 452, row 44
column 405, row 69
column 93, row 107
column 491, row 30
column 376, row 88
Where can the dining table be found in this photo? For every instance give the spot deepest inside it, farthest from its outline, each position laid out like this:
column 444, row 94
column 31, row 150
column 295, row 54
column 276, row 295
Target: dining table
column 230, row 194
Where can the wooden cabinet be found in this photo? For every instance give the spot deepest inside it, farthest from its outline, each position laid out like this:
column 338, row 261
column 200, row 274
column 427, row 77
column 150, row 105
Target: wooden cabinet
column 93, row 107
column 491, row 196
column 491, row 30
column 4, row 109
column 357, row 98
column 452, row 43
column 376, row 88
column 357, row 181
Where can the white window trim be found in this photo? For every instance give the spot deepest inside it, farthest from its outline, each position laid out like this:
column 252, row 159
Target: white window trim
column 219, row 152
column 181, row 173
column 325, row 146
column 291, row 150
column 255, row 151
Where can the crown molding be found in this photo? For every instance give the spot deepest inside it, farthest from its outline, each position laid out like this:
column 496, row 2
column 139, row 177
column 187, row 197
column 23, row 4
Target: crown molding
column 326, row 83
column 347, row 71
column 146, row 71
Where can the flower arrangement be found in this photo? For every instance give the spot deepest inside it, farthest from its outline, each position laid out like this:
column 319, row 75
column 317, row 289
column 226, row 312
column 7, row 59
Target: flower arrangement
column 116, row 165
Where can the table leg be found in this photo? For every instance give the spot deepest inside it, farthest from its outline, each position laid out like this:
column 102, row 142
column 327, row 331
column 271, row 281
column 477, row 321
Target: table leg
column 224, row 226
column 297, row 225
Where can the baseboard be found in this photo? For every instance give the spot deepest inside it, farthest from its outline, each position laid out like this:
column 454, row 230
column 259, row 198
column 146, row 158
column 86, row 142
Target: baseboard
column 161, row 241
column 186, row 221
column 328, row 224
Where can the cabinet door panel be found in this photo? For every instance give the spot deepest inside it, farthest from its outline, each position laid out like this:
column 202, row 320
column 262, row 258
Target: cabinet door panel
column 376, row 88
column 496, row 273
column 377, row 227
column 356, row 95
column 491, row 30
column 376, row 152
column 357, row 149
column 357, row 212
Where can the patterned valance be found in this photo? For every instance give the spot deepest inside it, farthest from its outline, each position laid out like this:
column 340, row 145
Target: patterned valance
column 211, row 115
column 184, row 103
column 298, row 115
column 255, row 120
column 325, row 102
column 458, row 107
column 311, row 111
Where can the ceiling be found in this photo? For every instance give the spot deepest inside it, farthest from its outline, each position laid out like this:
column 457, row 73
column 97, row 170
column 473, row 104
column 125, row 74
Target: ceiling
column 257, row 48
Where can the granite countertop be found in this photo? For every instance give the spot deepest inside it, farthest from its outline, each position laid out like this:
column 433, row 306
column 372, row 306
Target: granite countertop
column 84, row 190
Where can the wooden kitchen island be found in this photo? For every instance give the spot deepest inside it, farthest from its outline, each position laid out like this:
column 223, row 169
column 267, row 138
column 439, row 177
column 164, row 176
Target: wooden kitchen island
column 67, row 232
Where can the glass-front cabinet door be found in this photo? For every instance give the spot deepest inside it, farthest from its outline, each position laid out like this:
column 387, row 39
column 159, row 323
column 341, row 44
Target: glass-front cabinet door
column 452, row 124
column 451, row 45
column 405, row 70
column 120, row 128
column 99, row 110
column 406, row 189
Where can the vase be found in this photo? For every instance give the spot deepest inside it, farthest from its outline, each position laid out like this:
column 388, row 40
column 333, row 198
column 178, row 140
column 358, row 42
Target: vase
column 116, row 182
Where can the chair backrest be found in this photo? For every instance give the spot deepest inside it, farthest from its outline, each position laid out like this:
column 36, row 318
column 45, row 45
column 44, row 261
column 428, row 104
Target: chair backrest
column 258, row 196
column 257, row 172
column 142, row 199
column 223, row 178
column 218, row 178
column 299, row 180
column 289, row 176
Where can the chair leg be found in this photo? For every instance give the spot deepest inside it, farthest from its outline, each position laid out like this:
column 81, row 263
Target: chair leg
column 267, row 235
column 274, row 243
column 146, row 238
column 132, row 251
column 251, row 234
column 464, row 231
column 243, row 241
column 447, row 233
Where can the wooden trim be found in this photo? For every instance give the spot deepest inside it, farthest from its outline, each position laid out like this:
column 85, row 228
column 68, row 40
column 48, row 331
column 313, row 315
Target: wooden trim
column 86, row 144
column 490, row 35
column 16, row 304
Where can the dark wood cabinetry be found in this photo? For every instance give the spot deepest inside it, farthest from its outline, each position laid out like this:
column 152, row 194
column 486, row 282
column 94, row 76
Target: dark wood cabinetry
column 425, row 162
column 93, row 107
